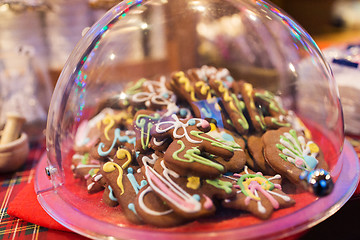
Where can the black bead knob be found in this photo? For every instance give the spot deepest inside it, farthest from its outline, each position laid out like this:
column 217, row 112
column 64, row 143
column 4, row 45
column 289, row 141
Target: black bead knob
column 318, row 181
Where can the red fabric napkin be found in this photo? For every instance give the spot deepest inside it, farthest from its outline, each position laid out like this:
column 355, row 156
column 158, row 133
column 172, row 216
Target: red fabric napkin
column 26, row 206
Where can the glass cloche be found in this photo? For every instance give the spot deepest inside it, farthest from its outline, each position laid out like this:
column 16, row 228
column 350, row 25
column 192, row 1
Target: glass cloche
column 195, row 118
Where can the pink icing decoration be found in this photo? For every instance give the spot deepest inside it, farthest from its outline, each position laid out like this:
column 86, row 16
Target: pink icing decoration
column 299, row 161
column 168, row 192
column 208, row 204
column 205, row 124
column 256, row 186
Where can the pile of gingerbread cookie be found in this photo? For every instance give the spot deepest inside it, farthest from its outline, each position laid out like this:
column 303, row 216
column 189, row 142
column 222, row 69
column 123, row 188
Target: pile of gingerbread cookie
column 178, row 148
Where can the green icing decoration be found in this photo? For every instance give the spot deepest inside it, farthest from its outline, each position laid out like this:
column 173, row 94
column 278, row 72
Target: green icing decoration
column 193, row 155
column 213, row 142
column 226, row 186
column 136, row 88
column 92, row 172
column 141, row 123
column 241, row 106
column 243, row 177
column 229, row 122
column 85, row 158
column 275, row 121
column 261, row 122
column 283, row 156
column 270, row 98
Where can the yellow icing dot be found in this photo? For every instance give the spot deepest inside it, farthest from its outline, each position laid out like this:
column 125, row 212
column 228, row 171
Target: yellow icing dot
column 121, row 153
column 213, row 126
column 193, row 183
column 96, row 171
column 314, row 148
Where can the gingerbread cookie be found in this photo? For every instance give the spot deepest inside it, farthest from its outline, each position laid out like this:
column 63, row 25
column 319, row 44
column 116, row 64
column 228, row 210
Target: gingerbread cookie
column 234, row 107
column 155, row 96
column 257, row 161
column 169, row 186
column 184, row 89
column 84, row 166
column 247, row 92
column 96, row 183
column 274, row 114
column 125, row 184
column 258, row 194
column 289, row 153
column 144, row 120
column 195, row 152
column 154, row 211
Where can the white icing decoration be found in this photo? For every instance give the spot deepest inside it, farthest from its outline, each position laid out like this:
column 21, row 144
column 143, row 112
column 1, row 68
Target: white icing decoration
column 158, row 94
column 97, row 177
column 158, row 143
column 151, row 160
column 148, row 210
column 277, row 176
column 90, row 186
column 259, row 205
column 295, row 148
column 176, row 125
column 187, row 204
column 284, row 197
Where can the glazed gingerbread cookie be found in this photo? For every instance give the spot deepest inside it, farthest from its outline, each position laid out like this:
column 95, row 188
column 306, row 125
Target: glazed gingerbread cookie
column 234, row 106
column 195, row 152
column 257, row 161
column 84, row 166
column 289, row 153
column 154, row 211
column 258, row 194
column 167, row 185
column 124, row 184
column 108, row 144
column 246, row 90
column 155, row 96
column 183, row 88
column 275, row 114
column 144, row 120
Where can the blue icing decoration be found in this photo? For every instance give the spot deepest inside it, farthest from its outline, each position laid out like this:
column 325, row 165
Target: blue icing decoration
column 183, row 112
column 196, row 197
column 227, row 137
column 229, row 79
column 143, row 183
column 137, row 153
column 131, row 206
column 191, row 122
column 133, row 181
column 165, row 95
column 117, row 137
column 311, row 162
column 111, row 194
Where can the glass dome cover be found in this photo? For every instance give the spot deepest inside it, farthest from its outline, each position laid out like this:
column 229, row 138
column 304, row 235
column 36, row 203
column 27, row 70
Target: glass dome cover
column 223, row 81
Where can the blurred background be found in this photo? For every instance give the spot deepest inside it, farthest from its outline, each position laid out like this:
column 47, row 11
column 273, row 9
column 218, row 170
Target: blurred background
column 37, row 36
